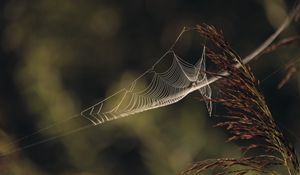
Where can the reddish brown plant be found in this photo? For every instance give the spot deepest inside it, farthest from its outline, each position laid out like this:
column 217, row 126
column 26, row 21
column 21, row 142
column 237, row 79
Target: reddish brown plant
column 247, row 118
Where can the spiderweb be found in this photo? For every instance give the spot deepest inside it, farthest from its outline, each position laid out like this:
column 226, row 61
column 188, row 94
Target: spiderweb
column 165, row 88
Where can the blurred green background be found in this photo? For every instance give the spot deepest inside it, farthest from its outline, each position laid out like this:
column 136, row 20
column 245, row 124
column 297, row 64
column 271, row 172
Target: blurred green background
column 58, row 57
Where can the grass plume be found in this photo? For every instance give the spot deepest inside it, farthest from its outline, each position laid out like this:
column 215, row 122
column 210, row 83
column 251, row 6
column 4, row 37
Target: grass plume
column 247, row 118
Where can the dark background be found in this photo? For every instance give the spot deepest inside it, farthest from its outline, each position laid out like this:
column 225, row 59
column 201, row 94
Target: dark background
column 58, row 57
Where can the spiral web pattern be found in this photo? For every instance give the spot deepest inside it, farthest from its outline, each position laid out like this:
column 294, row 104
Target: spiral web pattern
column 165, row 88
